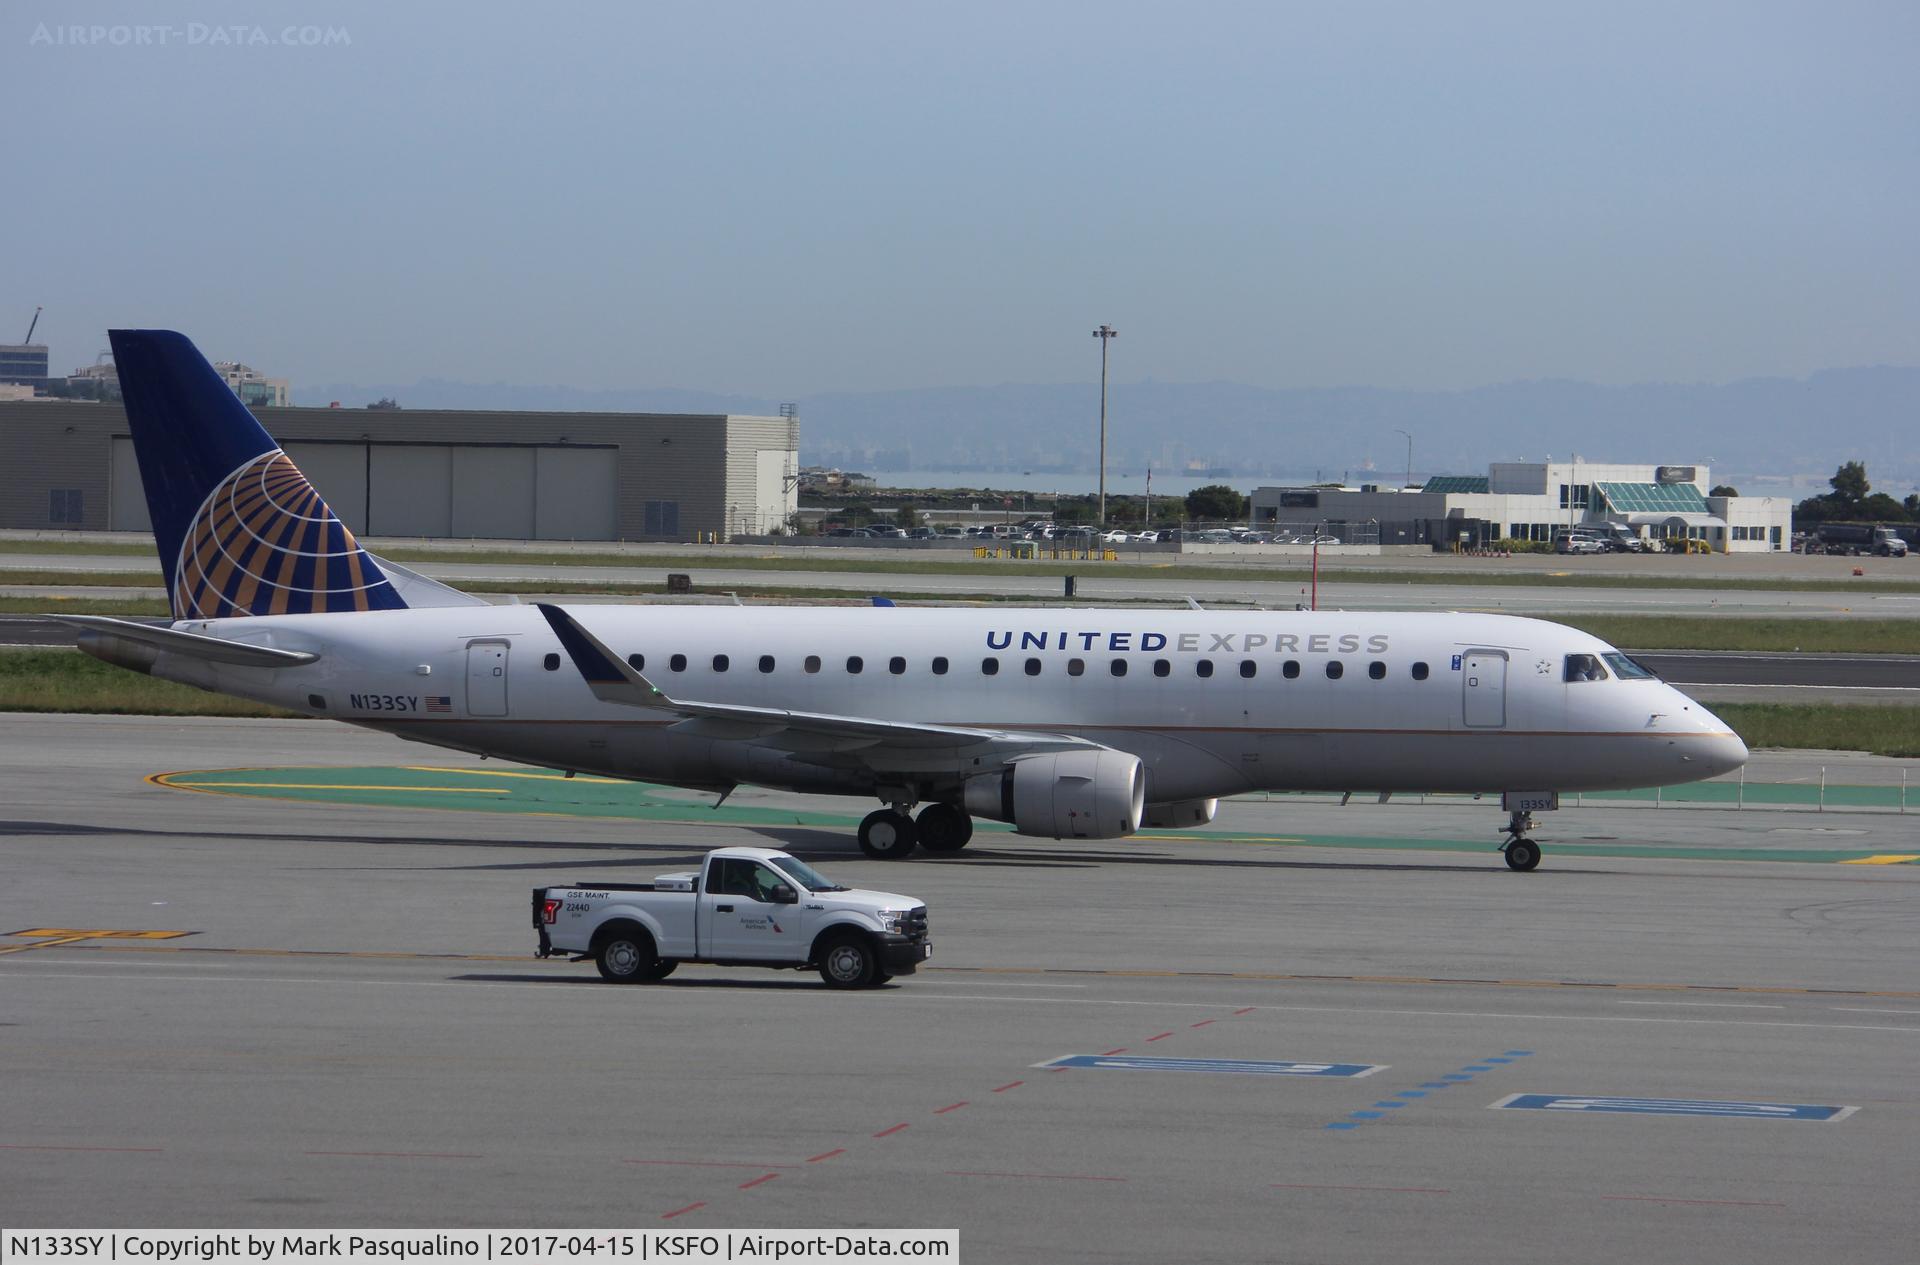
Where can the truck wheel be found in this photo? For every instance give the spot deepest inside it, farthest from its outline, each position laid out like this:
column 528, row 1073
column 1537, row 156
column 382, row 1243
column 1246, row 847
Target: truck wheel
column 848, row 962
column 625, row 955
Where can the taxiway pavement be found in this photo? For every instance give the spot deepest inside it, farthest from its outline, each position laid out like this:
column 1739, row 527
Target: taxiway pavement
column 355, row 1032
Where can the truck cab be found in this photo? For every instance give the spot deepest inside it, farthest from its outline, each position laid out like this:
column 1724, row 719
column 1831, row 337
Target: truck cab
column 743, row 907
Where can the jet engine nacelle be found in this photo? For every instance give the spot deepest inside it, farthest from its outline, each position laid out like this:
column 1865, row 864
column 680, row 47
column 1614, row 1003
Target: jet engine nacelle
column 1064, row 794
column 1178, row 813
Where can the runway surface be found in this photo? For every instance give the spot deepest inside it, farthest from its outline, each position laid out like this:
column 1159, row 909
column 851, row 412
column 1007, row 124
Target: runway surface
column 353, row 1030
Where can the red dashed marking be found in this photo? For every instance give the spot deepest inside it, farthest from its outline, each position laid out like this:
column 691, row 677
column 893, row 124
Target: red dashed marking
column 761, row 1180
column 1121, row 1050
column 887, row 1132
column 1045, row 1177
column 1246, row 1010
column 1009, row 1085
column 708, row 1164
column 668, row 1216
column 950, row 1107
column 1716, row 1203
column 1162, row 1037
column 826, row 1155
column 1203, row 1023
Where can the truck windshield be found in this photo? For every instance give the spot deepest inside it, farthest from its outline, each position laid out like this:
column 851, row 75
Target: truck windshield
column 805, row 875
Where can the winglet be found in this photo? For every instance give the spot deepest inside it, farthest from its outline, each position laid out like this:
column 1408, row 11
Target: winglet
column 611, row 678
column 882, row 601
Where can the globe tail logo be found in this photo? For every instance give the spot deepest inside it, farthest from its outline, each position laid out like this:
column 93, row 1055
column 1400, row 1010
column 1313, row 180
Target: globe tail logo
column 265, row 543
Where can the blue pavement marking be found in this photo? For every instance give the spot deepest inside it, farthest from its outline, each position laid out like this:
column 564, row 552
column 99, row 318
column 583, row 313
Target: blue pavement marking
column 1355, row 1119
column 1675, row 1107
column 1246, row 1067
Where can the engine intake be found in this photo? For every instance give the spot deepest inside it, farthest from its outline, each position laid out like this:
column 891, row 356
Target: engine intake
column 1064, row 795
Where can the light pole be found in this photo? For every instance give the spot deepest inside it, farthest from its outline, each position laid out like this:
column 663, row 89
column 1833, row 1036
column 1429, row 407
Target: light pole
column 1409, row 482
column 1106, row 334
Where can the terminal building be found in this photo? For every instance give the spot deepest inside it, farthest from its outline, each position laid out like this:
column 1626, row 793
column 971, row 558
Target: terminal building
column 1533, row 501
column 444, row 473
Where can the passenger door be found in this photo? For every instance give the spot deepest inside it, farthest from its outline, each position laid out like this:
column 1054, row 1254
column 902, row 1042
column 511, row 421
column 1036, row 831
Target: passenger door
column 1483, row 684
column 486, row 678
column 743, row 922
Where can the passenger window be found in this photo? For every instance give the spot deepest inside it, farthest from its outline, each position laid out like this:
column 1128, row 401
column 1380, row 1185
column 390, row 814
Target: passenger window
column 854, row 664
column 1076, row 667
column 766, row 663
column 989, row 667
column 1290, row 669
column 1419, row 671
column 1335, row 669
column 1377, row 670
column 1203, row 667
column 1033, row 667
column 1117, row 667
column 1161, row 667
column 1584, row 667
column 896, row 665
column 939, row 665
column 812, row 663
column 678, row 663
column 1248, row 667
column 638, row 662
column 551, row 663
column 720, row 662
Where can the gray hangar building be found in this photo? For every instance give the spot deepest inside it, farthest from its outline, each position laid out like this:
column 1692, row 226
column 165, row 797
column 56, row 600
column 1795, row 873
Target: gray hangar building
column 454, row 473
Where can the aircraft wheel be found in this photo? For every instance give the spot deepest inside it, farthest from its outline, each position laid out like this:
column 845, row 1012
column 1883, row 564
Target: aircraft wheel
column 1523, row 854
column 944, row 828
column 888, row 836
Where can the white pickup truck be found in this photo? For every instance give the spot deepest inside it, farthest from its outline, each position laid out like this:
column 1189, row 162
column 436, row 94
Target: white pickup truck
column 743, row 907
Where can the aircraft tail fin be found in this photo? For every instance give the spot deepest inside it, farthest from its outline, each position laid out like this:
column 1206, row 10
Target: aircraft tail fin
column 240, row 530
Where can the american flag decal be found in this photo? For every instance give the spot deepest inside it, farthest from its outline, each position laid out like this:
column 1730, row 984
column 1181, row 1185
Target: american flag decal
column 439, row 703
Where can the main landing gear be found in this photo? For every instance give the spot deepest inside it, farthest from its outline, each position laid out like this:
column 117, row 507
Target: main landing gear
column 891, row 834
column 1522, row 852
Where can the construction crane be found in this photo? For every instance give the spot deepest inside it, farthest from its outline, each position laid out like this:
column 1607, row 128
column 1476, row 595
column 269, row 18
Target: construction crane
column 33, row 326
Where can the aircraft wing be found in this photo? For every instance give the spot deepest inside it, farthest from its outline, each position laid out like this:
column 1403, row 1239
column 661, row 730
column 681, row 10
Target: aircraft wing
column 192, row 645
column 613, row 680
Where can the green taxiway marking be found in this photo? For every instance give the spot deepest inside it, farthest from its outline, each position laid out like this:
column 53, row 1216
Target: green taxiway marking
column 514, row 789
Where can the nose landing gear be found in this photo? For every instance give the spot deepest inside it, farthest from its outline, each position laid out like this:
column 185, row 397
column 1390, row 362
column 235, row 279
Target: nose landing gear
column 1522, row 853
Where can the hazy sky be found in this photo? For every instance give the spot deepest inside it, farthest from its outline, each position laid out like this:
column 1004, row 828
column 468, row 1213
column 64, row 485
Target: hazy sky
column 788, row 198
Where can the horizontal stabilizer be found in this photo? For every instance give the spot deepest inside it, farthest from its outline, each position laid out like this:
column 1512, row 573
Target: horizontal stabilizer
column 418, row 590
column 192, row 645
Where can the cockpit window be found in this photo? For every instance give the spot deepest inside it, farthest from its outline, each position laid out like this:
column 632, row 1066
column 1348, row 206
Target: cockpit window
column 1626, row 669
column 1584, row 667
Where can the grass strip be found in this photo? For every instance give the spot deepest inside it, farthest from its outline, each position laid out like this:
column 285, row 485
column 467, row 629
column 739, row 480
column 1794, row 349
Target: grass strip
column 926, row 563
column 1881, row 729
column 60, row 680
column 1754, row 633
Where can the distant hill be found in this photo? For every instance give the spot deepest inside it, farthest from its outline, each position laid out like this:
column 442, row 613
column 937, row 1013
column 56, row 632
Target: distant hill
column 1777, row 425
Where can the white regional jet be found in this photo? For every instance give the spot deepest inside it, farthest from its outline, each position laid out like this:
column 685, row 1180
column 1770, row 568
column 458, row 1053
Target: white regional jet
column 1067, row 723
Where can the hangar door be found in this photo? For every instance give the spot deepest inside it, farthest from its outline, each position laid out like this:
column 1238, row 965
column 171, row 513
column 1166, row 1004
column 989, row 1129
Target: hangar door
column 434, row 490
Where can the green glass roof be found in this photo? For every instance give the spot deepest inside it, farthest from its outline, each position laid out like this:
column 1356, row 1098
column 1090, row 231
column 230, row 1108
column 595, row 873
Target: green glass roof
column 1456, row 483
column 1653, row 498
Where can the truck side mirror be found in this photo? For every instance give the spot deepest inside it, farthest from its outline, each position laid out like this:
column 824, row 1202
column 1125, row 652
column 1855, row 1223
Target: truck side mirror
column 784, row 895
